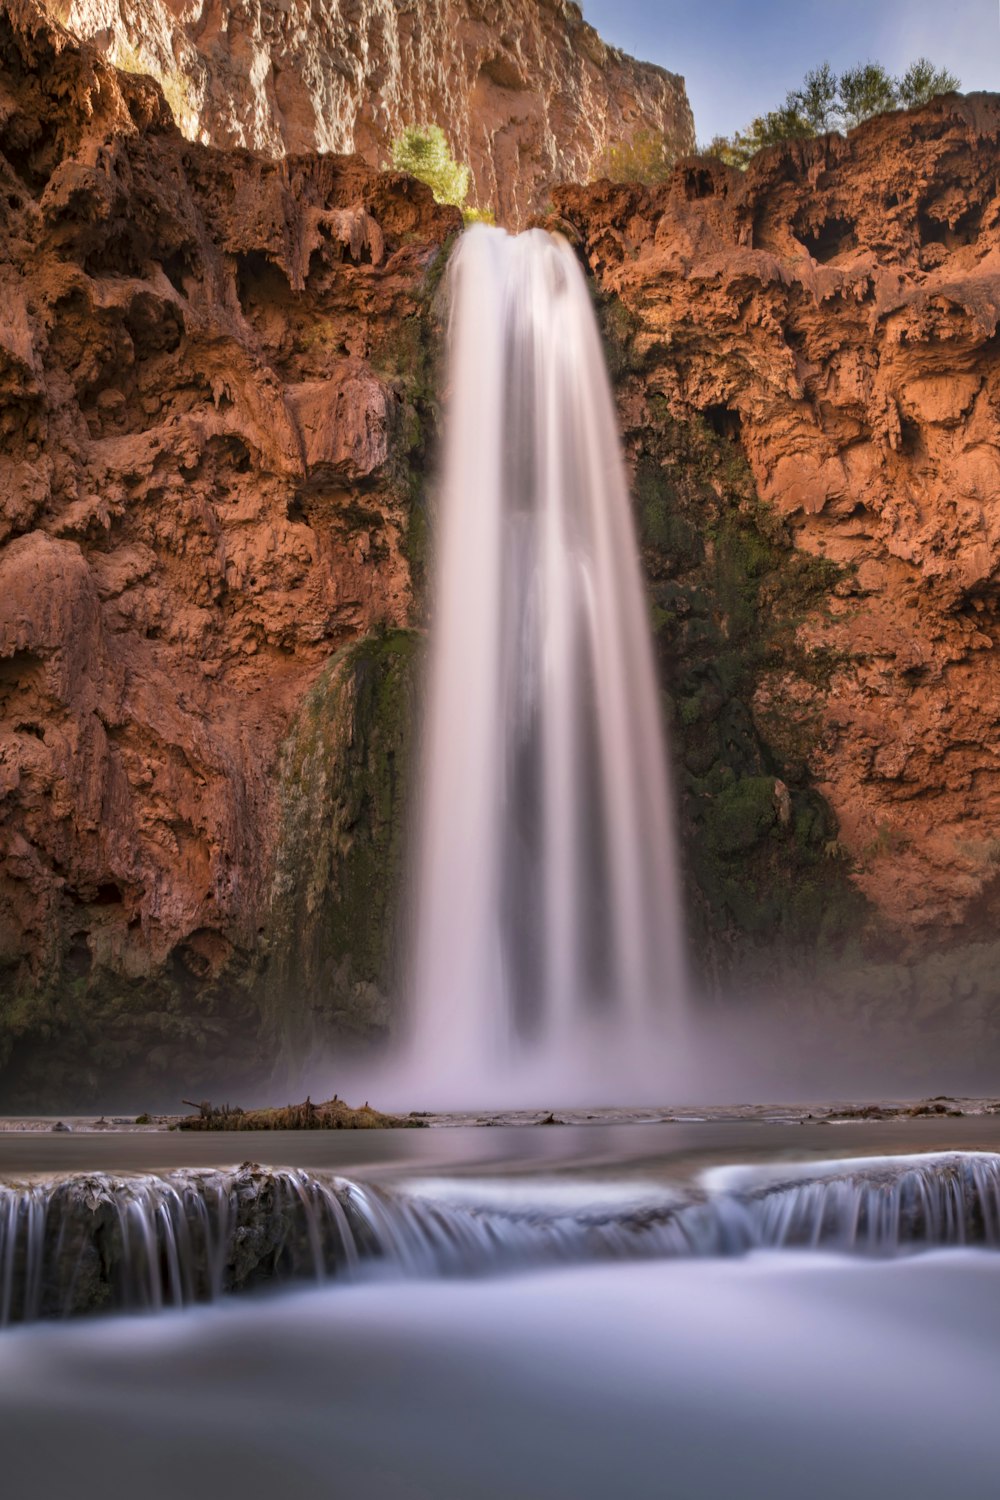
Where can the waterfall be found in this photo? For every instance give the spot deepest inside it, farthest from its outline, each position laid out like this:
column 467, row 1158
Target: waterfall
column 548, row 952
column 150, row 1242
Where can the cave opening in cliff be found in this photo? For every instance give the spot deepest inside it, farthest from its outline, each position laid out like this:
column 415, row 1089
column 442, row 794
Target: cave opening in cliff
column 725, row 421
column 826, row 241
column 260, row 282
column 699, row 182
column 937, row 229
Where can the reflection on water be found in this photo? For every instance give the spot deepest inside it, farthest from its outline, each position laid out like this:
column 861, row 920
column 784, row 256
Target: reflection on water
column 770, row 1379
column 672, row 1149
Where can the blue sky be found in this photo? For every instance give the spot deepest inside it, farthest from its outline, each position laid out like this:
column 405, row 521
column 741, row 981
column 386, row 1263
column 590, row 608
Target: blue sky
column 740, row 58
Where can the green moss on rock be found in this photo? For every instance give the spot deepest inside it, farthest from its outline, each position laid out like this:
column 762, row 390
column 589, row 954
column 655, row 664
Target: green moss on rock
column 767, row 884
column 345, row 771
column 108, row 1040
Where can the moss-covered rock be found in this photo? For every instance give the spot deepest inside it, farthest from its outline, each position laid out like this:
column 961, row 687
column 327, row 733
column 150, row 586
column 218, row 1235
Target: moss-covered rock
column 108, row 1041
column 345, row 773
column 767, row 884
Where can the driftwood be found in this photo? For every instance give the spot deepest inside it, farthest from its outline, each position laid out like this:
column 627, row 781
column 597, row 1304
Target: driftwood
column 333, row 1115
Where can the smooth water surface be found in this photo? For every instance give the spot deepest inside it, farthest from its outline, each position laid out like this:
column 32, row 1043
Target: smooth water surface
column 773, row 1378
column 671, row 1149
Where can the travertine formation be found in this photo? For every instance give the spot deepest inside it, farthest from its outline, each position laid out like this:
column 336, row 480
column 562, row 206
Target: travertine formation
column 211, row 368
column 526, row 92
column 216, row 403
column 837, row 310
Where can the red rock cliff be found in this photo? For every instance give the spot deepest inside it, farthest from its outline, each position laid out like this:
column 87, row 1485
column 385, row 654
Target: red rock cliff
column 525, row 90
column 207, row 364
column 837, row 310
column 216, row 393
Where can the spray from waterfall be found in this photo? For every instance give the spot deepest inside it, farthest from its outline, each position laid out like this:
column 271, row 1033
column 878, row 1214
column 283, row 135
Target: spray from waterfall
column 548, row 954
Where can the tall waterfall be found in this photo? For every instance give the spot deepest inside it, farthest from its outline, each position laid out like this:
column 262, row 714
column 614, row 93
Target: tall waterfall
column 548, row 951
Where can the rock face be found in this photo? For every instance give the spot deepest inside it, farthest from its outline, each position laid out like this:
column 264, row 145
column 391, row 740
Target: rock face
column 214, row 385
column 218, row 400
column 525, row 90
column 833, row 315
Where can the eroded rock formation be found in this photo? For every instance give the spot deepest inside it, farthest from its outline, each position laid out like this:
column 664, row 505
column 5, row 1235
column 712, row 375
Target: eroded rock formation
column 834, row 314
column 527, row 93
column 214, row 383
column 217, row 395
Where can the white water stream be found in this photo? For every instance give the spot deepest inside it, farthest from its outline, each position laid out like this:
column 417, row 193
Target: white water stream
column 548, row 950
column 149, row 1242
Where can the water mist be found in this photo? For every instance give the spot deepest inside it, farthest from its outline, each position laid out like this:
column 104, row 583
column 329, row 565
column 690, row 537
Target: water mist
column 548, row 956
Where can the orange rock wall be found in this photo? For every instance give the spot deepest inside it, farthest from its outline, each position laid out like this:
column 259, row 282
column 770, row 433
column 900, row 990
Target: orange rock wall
column 838, row 308
column 208, row 365
column 527, row 93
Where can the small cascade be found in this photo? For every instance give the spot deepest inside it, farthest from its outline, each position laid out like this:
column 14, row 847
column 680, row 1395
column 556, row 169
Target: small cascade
column 146, row 1243
column 876, row 1206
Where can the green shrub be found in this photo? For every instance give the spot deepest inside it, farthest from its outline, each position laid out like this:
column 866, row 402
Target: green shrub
column 647, row 158
column 422, row 151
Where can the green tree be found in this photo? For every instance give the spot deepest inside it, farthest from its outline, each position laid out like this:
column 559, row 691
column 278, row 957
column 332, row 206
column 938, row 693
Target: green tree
column 866, row 90
column 785, row 124
column 818, row 100
column 422, row 150
column 825, row 102
column 647, row 158
column 922, row 82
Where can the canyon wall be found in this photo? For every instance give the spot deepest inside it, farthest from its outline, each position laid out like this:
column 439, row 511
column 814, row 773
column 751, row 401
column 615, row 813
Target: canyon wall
column 215, row 398
column 527, row 93
column 218, row 413
column 831, row 317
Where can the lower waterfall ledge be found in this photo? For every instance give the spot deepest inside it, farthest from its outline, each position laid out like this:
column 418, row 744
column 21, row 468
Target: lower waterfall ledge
column 144, row 1243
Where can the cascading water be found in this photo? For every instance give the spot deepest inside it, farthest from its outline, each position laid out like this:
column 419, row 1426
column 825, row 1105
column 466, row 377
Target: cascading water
column 83, row 1244
column 548, row 948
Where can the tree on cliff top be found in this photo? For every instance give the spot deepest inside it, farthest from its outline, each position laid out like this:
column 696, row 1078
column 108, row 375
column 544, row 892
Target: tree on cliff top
column 922, row 82
column 827, row 102
column 422, row 151
column 865, row 91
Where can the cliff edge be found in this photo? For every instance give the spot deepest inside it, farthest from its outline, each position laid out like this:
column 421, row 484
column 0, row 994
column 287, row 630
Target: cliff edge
column 526, row 92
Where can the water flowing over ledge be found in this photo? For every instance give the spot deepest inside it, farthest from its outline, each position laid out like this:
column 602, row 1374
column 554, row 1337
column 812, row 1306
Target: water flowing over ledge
column 144, row 1243
column 548, row 948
